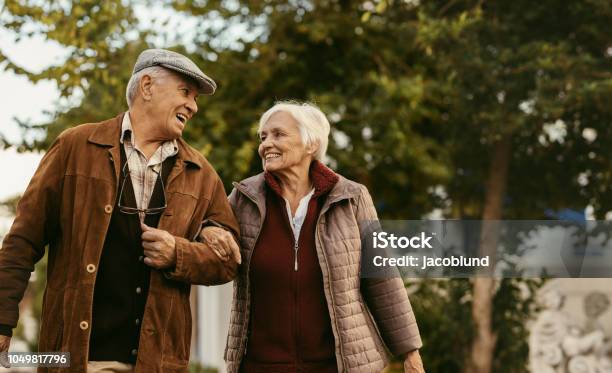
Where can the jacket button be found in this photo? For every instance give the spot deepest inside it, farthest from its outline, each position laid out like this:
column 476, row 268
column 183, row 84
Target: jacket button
column 138, row 290
column 108, row 209
column 83, row 325
column 134, row 352
column 91, row 268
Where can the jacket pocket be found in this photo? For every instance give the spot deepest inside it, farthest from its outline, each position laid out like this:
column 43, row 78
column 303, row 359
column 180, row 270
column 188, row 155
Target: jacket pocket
column 179, row 214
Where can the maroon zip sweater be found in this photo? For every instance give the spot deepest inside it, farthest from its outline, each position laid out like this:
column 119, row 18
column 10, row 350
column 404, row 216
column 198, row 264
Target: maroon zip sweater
column 290, row 327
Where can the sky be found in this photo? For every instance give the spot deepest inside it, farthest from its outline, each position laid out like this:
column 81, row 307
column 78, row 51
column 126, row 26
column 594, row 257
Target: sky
column 26, row 101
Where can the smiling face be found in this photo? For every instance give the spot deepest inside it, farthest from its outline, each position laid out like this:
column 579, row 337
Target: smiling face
column 281, row 145
column 171, row 103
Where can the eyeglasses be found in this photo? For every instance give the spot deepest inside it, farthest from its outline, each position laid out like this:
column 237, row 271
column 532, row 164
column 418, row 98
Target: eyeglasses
column 134, row 210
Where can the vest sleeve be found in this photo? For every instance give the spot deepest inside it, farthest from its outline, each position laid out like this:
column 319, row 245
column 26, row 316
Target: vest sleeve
column 387, row 298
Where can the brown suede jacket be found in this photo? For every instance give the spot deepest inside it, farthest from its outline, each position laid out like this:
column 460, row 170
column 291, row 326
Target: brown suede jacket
column 68, row 205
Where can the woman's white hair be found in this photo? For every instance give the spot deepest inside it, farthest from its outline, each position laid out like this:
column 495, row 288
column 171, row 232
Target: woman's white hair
column 132, row 86
column 312, row 123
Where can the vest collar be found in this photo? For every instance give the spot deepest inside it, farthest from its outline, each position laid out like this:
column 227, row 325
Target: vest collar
column 323, row 179
column 254, row 189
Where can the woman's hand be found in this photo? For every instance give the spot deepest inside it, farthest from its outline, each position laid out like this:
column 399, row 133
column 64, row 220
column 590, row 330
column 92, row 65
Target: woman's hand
column 413, row 362
column 221, row 242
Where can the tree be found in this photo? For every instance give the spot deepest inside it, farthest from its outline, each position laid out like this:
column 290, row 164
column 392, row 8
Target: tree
column 531, row 71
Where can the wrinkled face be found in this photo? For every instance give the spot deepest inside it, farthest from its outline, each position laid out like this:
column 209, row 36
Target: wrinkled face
column 172, row 103
column 281, row 145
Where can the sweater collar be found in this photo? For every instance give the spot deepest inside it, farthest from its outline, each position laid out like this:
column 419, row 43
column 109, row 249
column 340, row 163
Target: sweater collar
column 323, row 179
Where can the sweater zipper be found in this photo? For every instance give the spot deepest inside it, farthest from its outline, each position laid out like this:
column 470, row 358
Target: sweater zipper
column 296, row 316
column 296, row 243
column 296, row 327
column 295, row 253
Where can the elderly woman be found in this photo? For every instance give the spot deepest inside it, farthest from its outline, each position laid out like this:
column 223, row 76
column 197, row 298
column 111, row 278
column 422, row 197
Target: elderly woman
column 299, row 302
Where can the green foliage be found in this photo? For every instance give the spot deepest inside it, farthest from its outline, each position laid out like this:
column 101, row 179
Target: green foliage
column 514, row 305
column 91, row 30
column 419, row 93
column 515, row 68
column 11, row 203
column 443, row 309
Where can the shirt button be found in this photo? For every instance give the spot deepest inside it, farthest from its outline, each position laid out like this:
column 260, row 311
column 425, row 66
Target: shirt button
column 138, row 290
column 108, row 209
column 91, row 268
column 83, row 325
column 140, row 258
column 134, row 352
column 137, row 321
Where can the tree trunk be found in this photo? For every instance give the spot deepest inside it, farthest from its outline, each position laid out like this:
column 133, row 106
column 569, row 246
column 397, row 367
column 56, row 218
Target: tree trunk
column 483, row 346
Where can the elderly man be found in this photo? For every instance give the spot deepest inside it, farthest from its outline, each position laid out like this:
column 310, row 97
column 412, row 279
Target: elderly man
column 119, row 203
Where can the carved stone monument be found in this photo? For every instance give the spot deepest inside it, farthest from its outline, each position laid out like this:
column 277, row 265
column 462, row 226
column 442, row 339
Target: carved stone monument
column 573, row 332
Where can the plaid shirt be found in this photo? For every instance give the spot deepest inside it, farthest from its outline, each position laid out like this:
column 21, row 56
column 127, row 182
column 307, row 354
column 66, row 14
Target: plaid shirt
column 143, row 171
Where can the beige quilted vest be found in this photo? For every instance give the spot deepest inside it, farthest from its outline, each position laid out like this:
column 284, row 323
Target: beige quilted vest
column 371, row 318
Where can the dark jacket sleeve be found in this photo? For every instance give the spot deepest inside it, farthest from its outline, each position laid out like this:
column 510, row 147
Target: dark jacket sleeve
column 35, row 225
column 387, row 298
column 196, row 263
column 6, row 330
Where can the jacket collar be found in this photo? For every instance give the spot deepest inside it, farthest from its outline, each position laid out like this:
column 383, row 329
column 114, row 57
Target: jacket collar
column 107, row 133
column 254, row 188
column 323, row 179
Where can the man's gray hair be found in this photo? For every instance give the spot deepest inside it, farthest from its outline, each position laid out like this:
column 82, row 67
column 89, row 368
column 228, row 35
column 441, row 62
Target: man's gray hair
column 132, row 86
column 313, row 125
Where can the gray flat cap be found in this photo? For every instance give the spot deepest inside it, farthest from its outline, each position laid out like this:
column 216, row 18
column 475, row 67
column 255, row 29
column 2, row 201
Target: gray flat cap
column 177, row 62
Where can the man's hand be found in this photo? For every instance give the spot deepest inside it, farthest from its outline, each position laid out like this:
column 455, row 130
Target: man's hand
column 5, row 342
column 413, row 363
column 159, row 247
column 221, row 242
